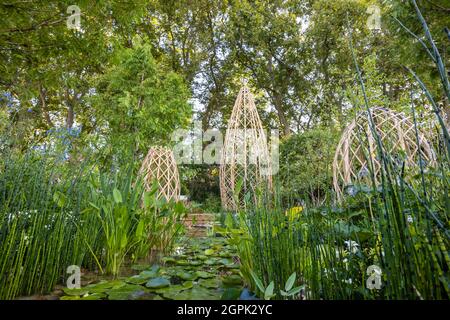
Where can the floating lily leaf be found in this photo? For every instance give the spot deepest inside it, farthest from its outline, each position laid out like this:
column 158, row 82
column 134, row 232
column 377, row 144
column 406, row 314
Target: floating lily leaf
column 232, row 280
column 195, row 263
column 209, row 252
column 187, row 284
column 76, row 292
column 168, row 260
column 211, row 262
column 142, row 295
column 119, row 295
column 138, row 279
column 182, row 262
column 127, row 287
column 140, row 267
column 225, row 254
column 116, row 284
column 149, row 274
column 204, row 274
column 99, row 287
column 70, row 298
column 231, row 294
column 95, row 296
column 157, row 283
column 209, row 283
column 196, row 293
column 226, row 261
column 186, row 275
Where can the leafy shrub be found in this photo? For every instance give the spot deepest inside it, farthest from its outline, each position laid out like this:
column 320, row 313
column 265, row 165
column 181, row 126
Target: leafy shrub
column 305, row 165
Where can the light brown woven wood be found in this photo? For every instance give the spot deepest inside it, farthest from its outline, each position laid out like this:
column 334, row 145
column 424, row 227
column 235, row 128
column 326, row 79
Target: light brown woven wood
column 160, row 164
column 245, row 154
column 398, row 138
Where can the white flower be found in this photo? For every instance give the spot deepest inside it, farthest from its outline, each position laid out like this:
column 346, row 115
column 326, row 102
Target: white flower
column 409, row 218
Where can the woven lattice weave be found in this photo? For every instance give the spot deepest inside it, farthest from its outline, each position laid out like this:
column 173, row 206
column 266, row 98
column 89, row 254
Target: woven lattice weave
column 245, row 155
column 398, row 136
column 160, row 164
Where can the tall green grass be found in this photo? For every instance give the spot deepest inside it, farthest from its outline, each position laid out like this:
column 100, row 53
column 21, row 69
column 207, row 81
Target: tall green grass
column 38, row 205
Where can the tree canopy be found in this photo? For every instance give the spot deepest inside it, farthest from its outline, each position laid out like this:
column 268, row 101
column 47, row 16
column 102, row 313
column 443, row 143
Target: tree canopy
column 134, row 69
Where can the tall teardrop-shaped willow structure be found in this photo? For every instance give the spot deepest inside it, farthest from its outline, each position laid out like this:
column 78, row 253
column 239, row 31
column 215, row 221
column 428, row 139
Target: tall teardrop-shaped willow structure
column 160, row 165
column 398, row 136
column 245, row 154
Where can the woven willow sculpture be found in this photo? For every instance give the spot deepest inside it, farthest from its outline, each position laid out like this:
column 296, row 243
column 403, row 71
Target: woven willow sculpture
column 160, row 164
column 245, row 155
column 398, row 138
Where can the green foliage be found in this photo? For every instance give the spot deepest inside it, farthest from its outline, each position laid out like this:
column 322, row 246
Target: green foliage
column 305, row 165
column 53, row 215
column 139, row 102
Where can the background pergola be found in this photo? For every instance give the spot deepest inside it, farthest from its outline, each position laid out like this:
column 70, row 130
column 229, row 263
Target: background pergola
column 398, row 136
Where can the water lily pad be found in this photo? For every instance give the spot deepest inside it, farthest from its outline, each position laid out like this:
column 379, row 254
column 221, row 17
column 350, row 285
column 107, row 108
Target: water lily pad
column 204, row 274
column 142, row 295
column 75, row 292
column 187, row 285
column 94, row 296
column 195, row 263
column 149, row 274
column 209, row 283
column 157, row 283
column 225, row 254
column 186, row 275
column 173, row 289
column 232, row 280
column 100, row 287
column 182, row 262
column 231, row 294
column 140, row 267
column 119, row 295
column 226, row 261
column 211, row 262
column 209, row 252
column 116, row 284
column 168, row 260
column 70, row 298
column 137, row 279
column 196, row 293
column 127, row 287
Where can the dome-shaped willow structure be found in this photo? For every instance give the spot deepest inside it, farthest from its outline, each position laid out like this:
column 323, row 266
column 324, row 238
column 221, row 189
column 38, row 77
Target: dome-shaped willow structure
column 160, row 165
column 398, row 136
column 245, row 155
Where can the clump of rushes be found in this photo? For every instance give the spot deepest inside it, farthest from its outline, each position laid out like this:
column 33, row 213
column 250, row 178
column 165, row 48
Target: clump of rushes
column 38, row 205
column 53, row 215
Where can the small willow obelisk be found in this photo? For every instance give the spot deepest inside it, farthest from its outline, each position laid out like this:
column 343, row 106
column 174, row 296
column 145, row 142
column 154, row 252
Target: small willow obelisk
column 160, row 165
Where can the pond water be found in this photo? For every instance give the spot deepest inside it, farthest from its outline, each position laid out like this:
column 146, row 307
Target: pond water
column 204, row 268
